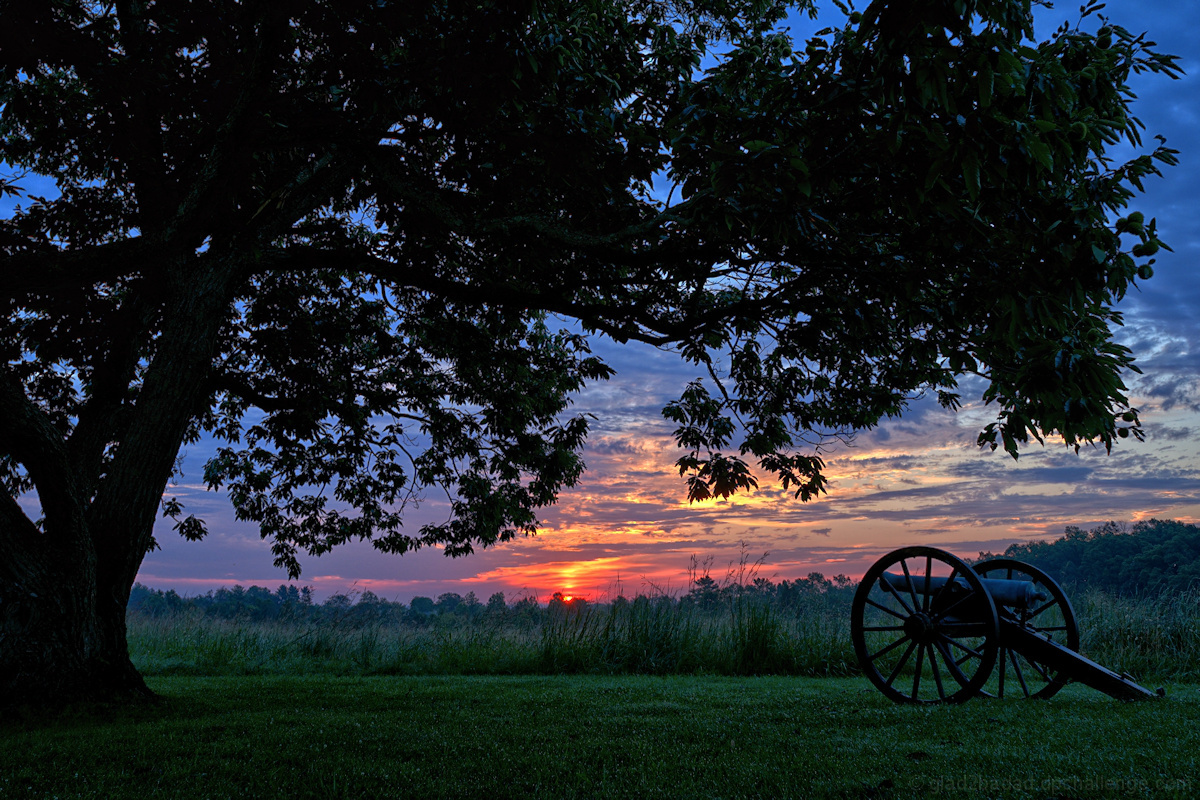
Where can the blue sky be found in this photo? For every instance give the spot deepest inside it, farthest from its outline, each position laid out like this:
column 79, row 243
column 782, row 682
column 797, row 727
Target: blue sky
column 917, row 480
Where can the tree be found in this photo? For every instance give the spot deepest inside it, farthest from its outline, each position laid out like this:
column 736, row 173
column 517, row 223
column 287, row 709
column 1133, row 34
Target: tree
column 471, row 608
column 341, row 237
column 448, row 602
column 422, row 606
column 496, row 606
column 705, row 592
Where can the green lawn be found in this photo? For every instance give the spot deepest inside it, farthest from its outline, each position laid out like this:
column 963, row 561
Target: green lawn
column 574, row 736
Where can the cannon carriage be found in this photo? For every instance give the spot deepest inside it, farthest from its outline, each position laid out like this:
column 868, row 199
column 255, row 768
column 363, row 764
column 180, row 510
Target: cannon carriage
column 929, row 628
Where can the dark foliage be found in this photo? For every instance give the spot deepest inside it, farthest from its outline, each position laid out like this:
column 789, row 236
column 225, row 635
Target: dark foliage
column 1151, row 557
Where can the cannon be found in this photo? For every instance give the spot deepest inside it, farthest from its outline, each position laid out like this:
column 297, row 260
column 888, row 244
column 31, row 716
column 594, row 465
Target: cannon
column 929, row 628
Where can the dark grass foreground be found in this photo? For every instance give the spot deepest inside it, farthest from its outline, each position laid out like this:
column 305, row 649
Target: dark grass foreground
column 598, row 736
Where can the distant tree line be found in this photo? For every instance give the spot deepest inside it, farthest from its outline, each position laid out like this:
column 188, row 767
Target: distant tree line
column 297, row 604
column 1149, row 557
column 294, row 604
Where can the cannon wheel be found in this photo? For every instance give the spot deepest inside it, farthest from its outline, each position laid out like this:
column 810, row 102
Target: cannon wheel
column 908, row 643
column 1053, row 618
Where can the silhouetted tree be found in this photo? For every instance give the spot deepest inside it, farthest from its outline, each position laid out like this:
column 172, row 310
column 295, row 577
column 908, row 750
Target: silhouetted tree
column 448, row 602
column 496, row 607
column 336, row 236
column 471, row 607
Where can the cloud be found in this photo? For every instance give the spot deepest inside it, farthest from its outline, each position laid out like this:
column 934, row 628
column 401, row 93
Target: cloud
column 1164, row 433
column 1173, row 390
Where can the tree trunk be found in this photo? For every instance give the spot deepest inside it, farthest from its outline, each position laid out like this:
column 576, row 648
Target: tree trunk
column 61, row 642
column 64, row 586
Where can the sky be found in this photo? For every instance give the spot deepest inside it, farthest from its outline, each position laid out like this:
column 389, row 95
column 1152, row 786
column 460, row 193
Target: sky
column 627, row 528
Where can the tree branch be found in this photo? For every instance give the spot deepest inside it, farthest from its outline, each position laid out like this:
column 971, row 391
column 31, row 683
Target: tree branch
column 637, row 324
column 127, row 499
column 31, row 438
column 50, row 272
column 105, row 415
column 237, row 385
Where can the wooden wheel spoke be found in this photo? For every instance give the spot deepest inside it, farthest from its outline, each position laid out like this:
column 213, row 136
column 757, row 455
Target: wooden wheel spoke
column 912, row 590
column 1017, row 669
column 1040, row 671
column 969, row 651
column 948, row 660
column 1043, row 607
column 1000, row 656
column 928, row 575
column 916, row 686
column 937, row 675
column 946, row 611
column 885, row 609
column 889, row 648
column 892, row 591
column 946, row 657
column 949, row 582
column 900, row 664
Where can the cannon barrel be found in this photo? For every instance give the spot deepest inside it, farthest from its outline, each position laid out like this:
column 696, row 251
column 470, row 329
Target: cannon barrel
column 1010, row 593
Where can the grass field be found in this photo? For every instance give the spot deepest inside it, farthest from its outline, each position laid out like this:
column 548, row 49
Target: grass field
column 1154, row 639
column 598, row 736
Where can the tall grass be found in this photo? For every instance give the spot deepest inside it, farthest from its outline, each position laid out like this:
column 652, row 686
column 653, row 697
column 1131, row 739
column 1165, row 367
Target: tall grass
column 1150, row 638
column 645, row 636
column 747, row 637
column 197, row 645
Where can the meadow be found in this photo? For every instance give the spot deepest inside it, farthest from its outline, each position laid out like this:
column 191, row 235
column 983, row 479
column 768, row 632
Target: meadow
column 587, row 736
column 644, row 698
column 1155, row 639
